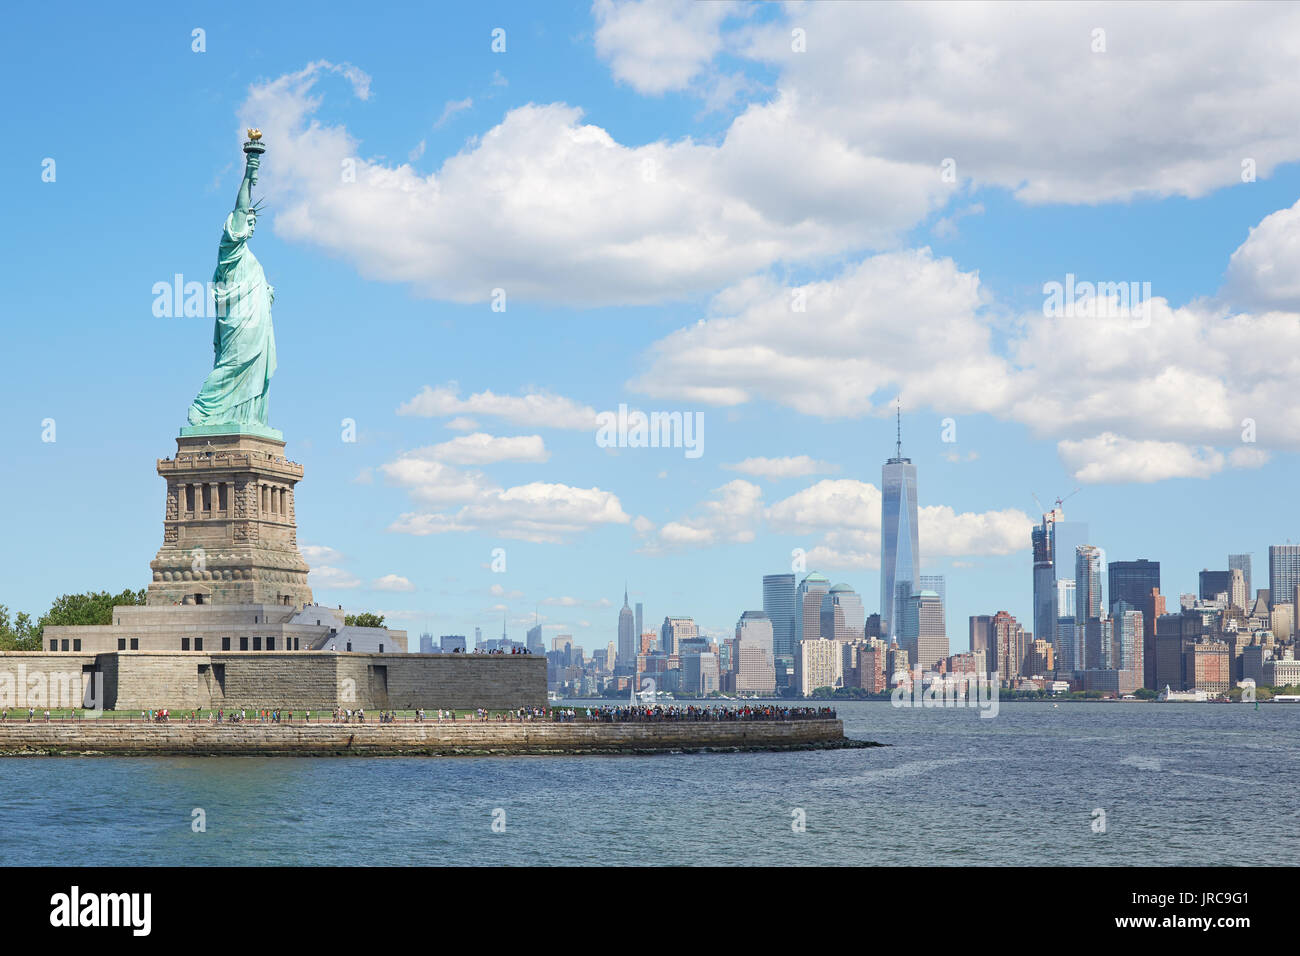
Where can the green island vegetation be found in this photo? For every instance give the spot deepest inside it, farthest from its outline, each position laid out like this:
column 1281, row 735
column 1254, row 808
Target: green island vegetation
column 21, row 633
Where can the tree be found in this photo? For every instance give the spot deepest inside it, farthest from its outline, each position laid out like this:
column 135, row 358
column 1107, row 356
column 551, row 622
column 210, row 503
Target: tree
column 19, row 634
column 364, row 619
column 93, row 607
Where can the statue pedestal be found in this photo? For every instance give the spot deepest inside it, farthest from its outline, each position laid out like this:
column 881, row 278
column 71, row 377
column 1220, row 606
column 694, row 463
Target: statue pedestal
column 229, row 530
column 257, row 431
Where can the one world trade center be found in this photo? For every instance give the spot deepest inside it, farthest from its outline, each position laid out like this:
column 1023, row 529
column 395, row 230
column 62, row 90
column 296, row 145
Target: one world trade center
column 900, row 554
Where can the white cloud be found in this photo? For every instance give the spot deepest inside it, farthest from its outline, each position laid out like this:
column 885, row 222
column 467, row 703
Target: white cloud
column 483, row 449
column 451, row 108
column 1111, row 458
column 332, row 578
column 392, row 582
column 526, row 206
column 433, row 481
column 568, row 601
column 461, row 423
column 538, row 512
column 732, row 515
column 979, row 83
column 1264, row 271
column 320, row 553
column 1197, row 375
column 851, row 343
column 537, row 409
column 425, row 524
column 845, row 513
column 498, row 591
column 659, row 45
column 790, row 467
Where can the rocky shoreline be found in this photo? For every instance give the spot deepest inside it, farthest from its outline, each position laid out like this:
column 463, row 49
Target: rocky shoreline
column 442, row 739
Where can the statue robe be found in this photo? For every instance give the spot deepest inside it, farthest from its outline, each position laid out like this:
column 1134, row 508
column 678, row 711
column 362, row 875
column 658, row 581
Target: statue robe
column 243, row 339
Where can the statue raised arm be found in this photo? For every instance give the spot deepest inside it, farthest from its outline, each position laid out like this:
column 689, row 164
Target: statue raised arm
column 234, row 396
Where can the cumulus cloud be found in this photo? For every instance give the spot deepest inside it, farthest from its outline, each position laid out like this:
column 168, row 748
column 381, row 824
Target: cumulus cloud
column 538, row 511
column 795, row 466
column 660, row 45
column 320, row 553
column 1111, row 458
column 483, row 449
column 392, row 582
column 549, row 208
column 332, row 578
column 978, row 83
column 1264, row 271
column 730, row 516
column 1202, row 374
column 538, row 409
column 851, row 343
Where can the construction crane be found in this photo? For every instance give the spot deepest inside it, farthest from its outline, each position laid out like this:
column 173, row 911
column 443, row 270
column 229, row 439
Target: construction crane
column 1058, row 502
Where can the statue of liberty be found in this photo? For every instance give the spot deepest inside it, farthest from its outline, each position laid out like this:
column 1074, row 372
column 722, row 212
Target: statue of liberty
column 234, row 396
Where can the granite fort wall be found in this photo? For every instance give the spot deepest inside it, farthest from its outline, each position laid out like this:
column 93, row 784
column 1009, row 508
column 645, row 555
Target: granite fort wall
column 290, row 680
column 430, row 737
column 40, row 680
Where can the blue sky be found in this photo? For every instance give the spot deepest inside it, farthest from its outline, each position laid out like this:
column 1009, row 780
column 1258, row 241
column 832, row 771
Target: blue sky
column 770, row 169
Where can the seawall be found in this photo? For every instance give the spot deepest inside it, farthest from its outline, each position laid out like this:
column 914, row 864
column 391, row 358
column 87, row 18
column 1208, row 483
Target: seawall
column 432, row 738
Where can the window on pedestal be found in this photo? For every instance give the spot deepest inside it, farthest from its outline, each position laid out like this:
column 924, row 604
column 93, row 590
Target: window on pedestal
column 270, row 643
column 223, row 497
column 207, row 497
column 243, row 643
column 198, row 643
column 189, row 497
column 135, row 643
column 185, row 643
column 225, row 643
column 257, row 643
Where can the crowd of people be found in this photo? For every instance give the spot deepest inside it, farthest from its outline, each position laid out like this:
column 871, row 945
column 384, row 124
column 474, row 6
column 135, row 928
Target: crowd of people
column 600, row 714
column 479, row 650
column 629, row 714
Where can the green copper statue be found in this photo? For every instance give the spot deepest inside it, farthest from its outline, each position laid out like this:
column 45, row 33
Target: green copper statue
column 233, row 398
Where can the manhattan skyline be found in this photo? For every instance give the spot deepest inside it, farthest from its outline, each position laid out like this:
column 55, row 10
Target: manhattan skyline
column 475, row 428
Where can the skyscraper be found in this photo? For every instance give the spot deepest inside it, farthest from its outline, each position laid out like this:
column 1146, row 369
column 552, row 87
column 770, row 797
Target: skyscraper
column 1132, row 581
column 843, row 616
column 1283, row 573
column 1009, row 641
column 1055, row 542
column 808, row 607
column 778, row 604
column 1042, row 539
column 981, row 638
column 900, row 549
column 627, row 632
column 674, row 631
column 924, row 633
column 755, row 667
column 1088, row 599
column 1241, row 562
column 1068, row 654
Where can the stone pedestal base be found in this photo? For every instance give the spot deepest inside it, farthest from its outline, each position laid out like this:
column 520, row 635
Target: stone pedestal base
column 229, row 531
